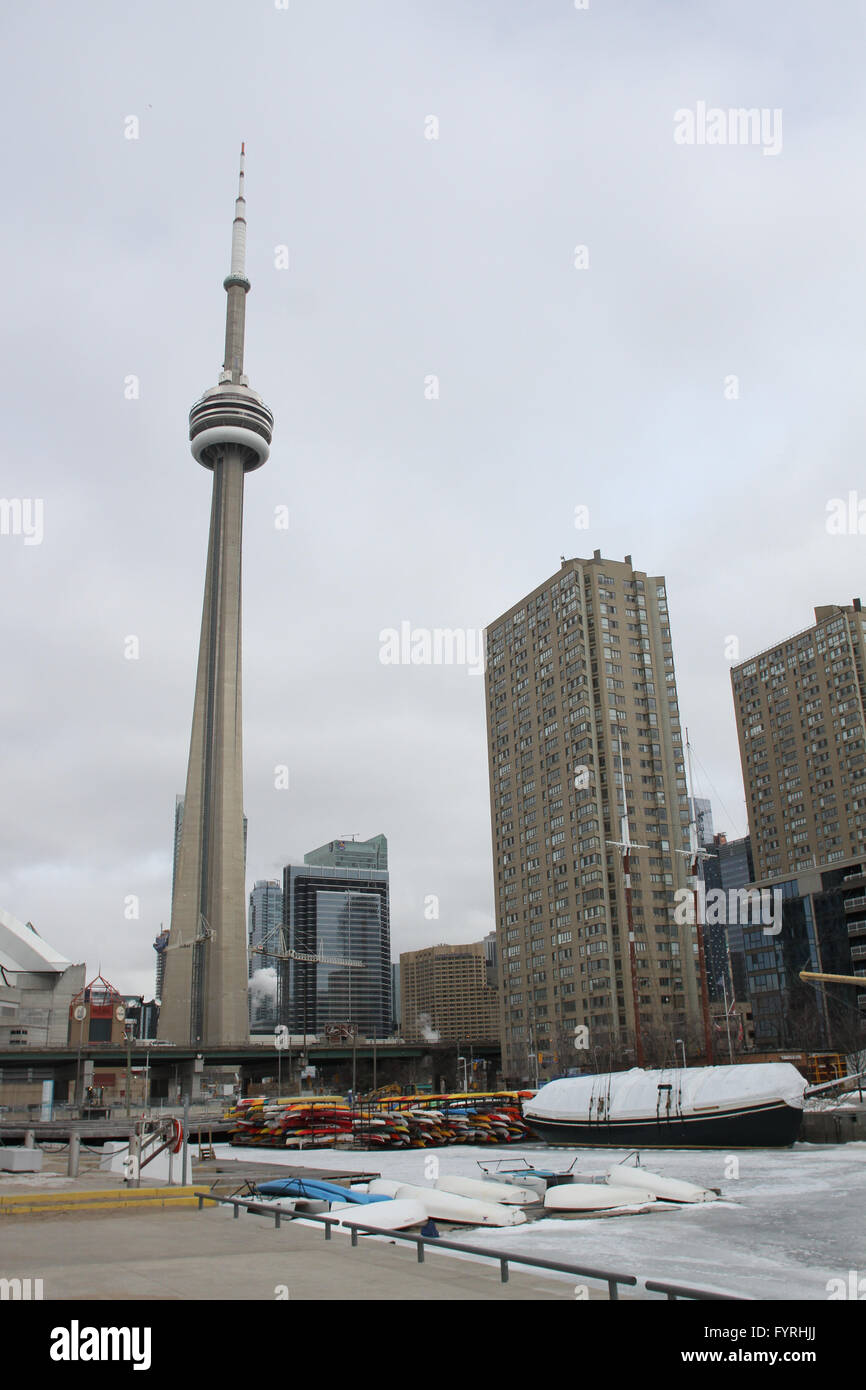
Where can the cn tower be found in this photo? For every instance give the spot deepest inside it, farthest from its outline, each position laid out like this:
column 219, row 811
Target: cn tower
column 205, row 988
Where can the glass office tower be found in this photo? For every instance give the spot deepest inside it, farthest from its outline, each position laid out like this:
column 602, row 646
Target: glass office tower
column 341, row 917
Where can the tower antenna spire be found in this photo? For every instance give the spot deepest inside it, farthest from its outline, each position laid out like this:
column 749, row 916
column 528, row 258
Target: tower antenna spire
column 237, row 287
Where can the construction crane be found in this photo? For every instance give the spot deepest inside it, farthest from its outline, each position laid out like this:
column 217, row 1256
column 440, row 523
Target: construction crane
column 198, row 943
column 833, row 979
column 307, row 957
column 204, row 934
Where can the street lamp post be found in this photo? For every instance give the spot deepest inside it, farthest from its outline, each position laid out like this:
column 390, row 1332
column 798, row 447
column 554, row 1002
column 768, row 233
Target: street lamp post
column 78, row 1096
column 281, row 1038
column 306, row 1050
column 128, row 1031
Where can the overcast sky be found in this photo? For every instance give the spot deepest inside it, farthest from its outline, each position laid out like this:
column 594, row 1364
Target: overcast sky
column 607, row 386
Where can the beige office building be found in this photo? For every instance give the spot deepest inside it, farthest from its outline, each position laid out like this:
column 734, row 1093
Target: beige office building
column 580, row 673
column 444, row 992
column 801, row 715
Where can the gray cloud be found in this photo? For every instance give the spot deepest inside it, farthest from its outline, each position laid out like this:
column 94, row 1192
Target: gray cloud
column 408, row 257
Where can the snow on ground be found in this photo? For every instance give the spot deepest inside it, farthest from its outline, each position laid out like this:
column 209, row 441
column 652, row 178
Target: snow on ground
column 790, row 1219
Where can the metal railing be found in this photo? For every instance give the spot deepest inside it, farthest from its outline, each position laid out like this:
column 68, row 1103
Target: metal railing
column 505, row 1258
column 675, row 1291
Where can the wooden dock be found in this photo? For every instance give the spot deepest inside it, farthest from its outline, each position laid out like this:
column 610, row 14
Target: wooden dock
column 225, row 1177
column 102, row 1130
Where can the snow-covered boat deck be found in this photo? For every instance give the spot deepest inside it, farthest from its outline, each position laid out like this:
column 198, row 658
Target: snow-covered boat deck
column 790, row 1220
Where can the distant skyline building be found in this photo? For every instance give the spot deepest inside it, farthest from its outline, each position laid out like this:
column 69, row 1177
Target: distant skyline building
column 801, row 720
column 583, row 725
column 342, row 914
column 446, row 996
column 491, row 958
column 266, row 915
column 823, row 929
column 265, row 919
column 728, row 865
column 800, row 708
column 702, row 812
column 351, row 854
column 205, row 994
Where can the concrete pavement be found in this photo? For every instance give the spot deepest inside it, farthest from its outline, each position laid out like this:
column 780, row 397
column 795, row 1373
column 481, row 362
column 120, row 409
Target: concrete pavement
column 212, row 1255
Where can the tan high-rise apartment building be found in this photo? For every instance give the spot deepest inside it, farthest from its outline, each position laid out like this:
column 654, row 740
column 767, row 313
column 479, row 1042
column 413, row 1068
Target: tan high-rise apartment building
column 801, row 719
column 582, row 722
column 444, row 991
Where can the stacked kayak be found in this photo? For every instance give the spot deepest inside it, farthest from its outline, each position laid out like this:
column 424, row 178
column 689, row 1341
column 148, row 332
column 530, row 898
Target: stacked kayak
column 331, row 1123
column 293, row 1124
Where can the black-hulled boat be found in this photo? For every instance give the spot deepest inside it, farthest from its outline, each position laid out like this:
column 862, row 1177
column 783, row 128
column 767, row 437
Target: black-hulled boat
column 756, row 1105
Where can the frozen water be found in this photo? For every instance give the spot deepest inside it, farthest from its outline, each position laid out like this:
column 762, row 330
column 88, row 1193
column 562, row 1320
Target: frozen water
column 790, row 1219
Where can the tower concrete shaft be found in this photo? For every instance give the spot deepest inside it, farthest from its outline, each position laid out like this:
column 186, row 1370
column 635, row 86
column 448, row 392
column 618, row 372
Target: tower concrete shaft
column 205, row 991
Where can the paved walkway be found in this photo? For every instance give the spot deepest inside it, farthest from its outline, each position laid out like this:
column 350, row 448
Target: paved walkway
column 212, row 1255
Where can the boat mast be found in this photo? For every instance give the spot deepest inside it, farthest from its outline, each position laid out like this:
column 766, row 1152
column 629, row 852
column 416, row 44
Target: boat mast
column 696, row 853
column 625, row 846
column 728, row 1018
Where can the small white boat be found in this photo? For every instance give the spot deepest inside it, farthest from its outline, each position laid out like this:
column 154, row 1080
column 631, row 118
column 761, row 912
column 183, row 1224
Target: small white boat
column 536, row 1180
column 448, row 1206
column 594, row 1196
column 536, row 1187
column 384, row 1186
column 668, row 1189
column 488, row 1190
column 395, row 1215
column 306, row 1205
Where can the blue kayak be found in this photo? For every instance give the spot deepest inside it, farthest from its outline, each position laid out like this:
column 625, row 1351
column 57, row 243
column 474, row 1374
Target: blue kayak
column 318, row 1190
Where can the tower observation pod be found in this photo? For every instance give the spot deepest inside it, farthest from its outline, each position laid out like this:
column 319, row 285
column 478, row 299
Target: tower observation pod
column 205, row 989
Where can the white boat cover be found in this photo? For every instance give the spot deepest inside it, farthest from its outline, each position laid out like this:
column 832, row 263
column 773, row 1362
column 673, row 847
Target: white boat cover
column 634, row 1094
column 584, row 1196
